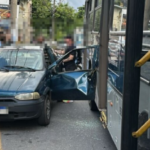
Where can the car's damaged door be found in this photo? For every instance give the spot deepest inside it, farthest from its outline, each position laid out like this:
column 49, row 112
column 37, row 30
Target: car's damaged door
column 72, row 85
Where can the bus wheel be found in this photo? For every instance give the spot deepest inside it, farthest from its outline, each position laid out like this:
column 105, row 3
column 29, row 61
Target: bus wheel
column 143, row 142
column 92, row 105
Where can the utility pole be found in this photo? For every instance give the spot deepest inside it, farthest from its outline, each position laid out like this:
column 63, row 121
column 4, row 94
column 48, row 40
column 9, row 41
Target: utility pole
column 13, row 11
column 53, row 22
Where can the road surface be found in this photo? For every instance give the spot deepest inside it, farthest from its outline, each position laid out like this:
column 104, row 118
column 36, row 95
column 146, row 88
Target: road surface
column 73, row 127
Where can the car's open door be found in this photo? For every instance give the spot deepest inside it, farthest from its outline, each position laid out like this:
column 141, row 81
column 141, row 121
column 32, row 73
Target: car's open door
column 77, row 85
column 72, row 85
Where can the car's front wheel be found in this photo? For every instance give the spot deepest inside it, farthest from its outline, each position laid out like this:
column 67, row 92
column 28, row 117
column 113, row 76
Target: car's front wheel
column 44, row 118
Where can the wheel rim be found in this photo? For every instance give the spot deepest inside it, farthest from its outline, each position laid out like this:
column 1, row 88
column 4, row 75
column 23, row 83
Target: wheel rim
column 48, row 108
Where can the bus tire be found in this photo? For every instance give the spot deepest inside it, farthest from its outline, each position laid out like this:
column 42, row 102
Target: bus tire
column 92, row 105
column 143, row 141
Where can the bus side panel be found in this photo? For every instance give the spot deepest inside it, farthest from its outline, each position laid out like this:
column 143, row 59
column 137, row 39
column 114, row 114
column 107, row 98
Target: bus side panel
column 144, row 114
column 114, row 110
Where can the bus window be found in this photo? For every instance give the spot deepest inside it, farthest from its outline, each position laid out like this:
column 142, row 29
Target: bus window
column 91, row 3
column 98, row 3
column 123, row 25
column 144, row 101
column 145, row 71
column 91, row 21
column 119, row 16
column 116, row 47
column 97, row 19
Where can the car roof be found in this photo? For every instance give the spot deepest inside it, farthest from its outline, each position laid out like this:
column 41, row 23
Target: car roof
column 31, row 47
column 23, row 47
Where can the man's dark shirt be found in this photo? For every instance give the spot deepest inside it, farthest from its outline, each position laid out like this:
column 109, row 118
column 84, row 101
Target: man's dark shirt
column 70, row 63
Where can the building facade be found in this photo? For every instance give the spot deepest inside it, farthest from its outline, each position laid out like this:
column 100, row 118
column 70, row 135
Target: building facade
column 78, row 36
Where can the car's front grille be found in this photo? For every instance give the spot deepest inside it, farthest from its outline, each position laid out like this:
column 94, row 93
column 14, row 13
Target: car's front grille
column 7, row 100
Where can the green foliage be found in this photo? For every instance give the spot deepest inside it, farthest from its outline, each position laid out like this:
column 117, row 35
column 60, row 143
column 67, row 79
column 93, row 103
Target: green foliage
column 66, row 18
column 81, row 12
column 24, row 1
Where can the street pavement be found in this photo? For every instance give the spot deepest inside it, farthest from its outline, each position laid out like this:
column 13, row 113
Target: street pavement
column 73, row 127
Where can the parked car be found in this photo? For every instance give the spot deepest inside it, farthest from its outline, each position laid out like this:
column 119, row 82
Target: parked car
column 24, row 93
column 61, row 45
column 32, row 77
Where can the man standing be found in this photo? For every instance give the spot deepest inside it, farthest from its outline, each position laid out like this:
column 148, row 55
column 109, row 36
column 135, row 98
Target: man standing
column 69, row 63
column 40, row 41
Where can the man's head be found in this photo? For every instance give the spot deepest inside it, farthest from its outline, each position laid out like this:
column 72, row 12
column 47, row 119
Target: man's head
column 69, row 40
column 40, row 39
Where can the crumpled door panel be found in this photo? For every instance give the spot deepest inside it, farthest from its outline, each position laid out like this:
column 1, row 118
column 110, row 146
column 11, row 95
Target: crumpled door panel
column 78, row 85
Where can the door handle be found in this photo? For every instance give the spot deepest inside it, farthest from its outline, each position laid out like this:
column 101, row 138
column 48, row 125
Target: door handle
column 141, row 130
column 143, row 60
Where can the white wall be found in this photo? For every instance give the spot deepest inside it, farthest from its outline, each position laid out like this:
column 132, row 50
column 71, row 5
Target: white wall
column 4, row 2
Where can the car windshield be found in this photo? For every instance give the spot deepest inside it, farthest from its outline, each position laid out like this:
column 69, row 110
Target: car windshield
column 15, row 59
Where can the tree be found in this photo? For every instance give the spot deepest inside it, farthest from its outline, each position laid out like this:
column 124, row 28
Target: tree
column 41, row 15
column 80, row 16
column 81, row 12
column 66, row 18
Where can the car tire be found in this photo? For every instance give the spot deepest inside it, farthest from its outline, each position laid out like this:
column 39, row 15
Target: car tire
column 44, row 118
column 59, row 101
column 92, row 105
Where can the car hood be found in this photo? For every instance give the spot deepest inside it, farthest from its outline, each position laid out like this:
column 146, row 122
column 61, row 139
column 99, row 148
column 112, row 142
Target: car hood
column 12, row 83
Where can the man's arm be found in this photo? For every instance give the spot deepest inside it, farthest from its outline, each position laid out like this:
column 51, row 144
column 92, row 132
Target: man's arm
column 71, row 57
column 61, row 52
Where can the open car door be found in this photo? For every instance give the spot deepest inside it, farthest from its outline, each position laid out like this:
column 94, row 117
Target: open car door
column 72, row 85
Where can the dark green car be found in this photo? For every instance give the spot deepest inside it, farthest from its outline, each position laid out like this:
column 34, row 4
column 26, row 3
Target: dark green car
column 31, row 77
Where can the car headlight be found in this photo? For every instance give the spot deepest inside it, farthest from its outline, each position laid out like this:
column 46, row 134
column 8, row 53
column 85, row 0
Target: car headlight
column 28, row 96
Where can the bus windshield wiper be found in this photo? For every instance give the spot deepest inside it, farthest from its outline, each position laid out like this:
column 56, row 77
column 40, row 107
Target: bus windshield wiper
column 21, row 67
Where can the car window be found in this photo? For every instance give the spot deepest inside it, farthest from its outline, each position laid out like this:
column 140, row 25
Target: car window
column 25, row 58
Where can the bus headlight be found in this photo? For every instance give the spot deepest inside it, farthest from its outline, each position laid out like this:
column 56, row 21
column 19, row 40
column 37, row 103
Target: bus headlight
column 28, row 96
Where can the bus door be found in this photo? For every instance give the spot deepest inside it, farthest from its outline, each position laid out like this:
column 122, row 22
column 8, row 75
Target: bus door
column 136, row 89
column 92, row 37
column 116, row 58
column 144, row 99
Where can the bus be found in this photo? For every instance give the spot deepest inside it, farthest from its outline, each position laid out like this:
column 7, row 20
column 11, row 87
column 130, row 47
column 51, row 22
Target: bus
column 117, row 33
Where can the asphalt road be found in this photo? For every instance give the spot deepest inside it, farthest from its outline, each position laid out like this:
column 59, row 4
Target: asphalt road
column 73, row 127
